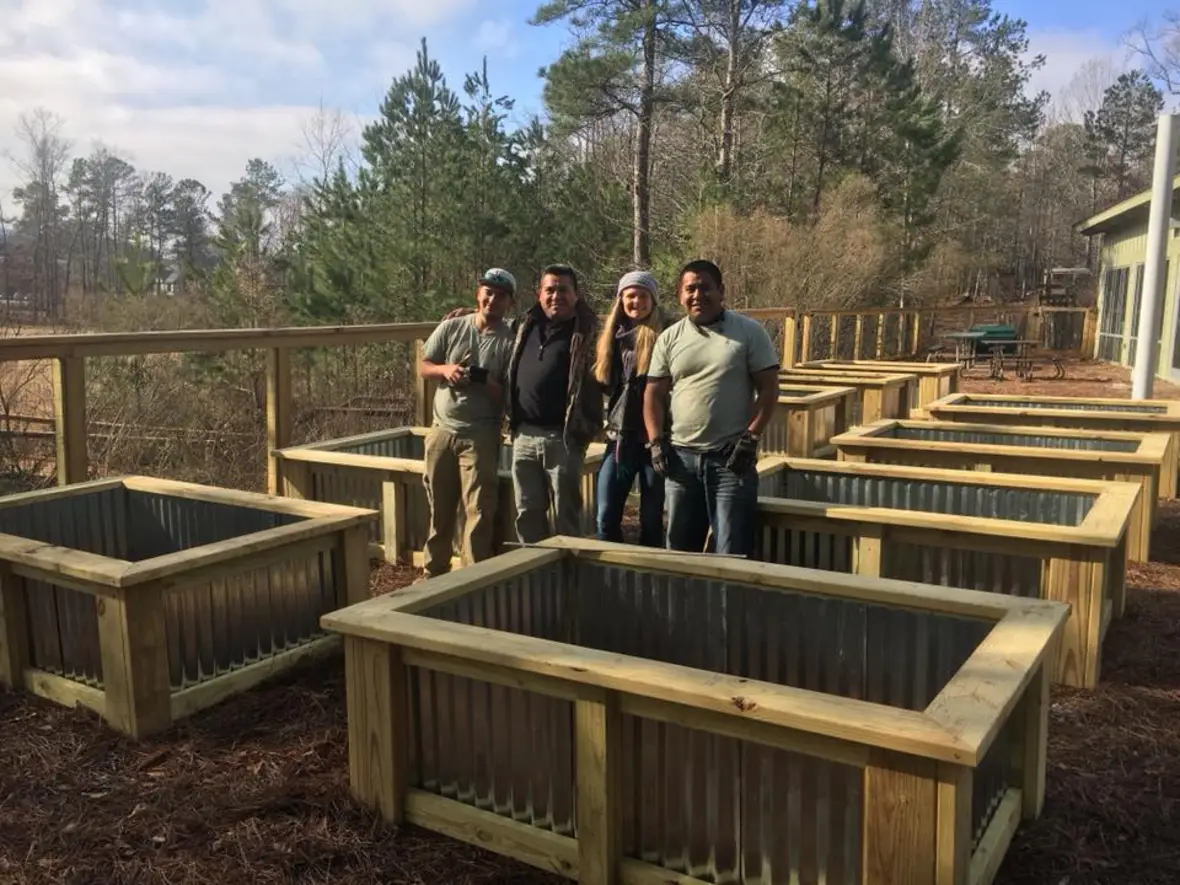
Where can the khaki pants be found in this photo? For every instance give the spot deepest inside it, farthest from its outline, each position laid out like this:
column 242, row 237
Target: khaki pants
column 461, row 469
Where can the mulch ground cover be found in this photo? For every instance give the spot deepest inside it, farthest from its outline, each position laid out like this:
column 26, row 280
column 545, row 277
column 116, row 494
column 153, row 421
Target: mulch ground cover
column 255, row 790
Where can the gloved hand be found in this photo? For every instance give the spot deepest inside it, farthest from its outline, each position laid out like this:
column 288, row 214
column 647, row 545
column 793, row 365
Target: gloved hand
column 661, row 453
column 477, row 375
column 744, row 454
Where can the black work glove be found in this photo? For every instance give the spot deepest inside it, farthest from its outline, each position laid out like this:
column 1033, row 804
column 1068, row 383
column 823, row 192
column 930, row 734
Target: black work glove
column 661, row 454
column 477, row 375
column 744, row 454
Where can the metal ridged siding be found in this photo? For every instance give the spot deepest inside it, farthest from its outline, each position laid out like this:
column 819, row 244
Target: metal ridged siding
column 215, row 628
column 501, row 749
column 1028, row 440
column 886, row 655
column 161, row 524
column 1137, row 408
column 927, row 496
column 211, row 628
column 990, row 781
column 407, row 445
column 1009, row 574
column 712, row 807
column 796, row 392
column 63, row 623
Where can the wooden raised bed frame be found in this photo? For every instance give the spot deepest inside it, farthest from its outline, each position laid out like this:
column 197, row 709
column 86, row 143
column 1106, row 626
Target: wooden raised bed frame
column 806, row 419
column 917, row 535
column 637, row 747
column 880, row 396
column 392, row 485
column 1082, row 413
column 1036, row 451
column 935, row 380
column 149, row 606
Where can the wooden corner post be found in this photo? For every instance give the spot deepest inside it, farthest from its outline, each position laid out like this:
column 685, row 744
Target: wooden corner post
column 278, row 414
column 69, row 412
column 900, row 819
column 598, row 741
column 378, row 767
column 14, row 633
column 134, row 652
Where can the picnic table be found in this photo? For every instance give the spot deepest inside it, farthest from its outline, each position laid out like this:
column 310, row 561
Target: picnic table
column 978, row 345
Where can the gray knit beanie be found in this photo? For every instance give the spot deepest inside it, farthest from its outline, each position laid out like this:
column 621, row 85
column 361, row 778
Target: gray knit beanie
column 640, row 278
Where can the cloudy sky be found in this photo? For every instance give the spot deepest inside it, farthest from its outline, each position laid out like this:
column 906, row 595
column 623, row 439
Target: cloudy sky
column 194, row 88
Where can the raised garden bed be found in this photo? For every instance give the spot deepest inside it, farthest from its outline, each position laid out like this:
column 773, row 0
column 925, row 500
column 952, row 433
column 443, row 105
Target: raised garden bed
column 1085, row 413
column 1036, row 451
column 146, row 600
column 614, row 714
column 935, row 380
column 383, row 471
column 1031, row 537
column 806, row 419
column 878, row 396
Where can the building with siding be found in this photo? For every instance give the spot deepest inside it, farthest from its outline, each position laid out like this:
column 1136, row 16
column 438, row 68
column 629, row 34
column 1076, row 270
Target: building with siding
column 1123, row 252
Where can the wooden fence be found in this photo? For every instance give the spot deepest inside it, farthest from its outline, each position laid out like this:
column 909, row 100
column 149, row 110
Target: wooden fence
column 878, row 334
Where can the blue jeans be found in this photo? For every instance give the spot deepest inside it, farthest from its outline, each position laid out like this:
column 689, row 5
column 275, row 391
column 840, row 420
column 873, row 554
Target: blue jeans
column 702, row 494
column 621, row 466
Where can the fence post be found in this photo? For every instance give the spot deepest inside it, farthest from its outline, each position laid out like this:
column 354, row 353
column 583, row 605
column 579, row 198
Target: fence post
column 423, row 389
column 790, row 339
column 69, row 412
column 278, row 414
column 805, row 353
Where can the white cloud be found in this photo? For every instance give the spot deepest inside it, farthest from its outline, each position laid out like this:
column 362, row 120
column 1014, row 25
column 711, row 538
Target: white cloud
column 196, row 92
column 1067, row 52
column 496, row 38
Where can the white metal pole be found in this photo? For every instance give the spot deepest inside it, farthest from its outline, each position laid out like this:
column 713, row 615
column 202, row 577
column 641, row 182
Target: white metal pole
column 1158, row 225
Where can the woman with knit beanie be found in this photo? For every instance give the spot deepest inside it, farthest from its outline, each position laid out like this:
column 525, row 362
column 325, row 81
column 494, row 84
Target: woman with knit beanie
column 623, row 354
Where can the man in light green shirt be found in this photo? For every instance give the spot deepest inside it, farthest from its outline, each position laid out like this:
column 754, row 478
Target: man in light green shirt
column 469, row 355
column 721, row 369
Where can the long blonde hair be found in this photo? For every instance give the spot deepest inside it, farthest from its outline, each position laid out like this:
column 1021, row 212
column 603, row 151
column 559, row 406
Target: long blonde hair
column 647, row 330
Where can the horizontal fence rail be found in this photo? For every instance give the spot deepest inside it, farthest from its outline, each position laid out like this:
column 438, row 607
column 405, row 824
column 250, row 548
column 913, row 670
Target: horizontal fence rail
column 404, row 396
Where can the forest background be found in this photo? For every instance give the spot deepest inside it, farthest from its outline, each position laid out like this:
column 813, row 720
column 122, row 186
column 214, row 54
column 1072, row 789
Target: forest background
column 835, row 154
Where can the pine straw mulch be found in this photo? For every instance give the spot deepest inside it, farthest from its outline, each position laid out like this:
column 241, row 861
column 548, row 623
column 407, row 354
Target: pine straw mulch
column 1082, row 378
column 255, row 790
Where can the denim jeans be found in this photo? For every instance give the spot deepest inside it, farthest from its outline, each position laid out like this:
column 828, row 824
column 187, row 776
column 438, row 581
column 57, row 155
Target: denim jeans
column 546, row 473
column 702, row 493
column 621, row 466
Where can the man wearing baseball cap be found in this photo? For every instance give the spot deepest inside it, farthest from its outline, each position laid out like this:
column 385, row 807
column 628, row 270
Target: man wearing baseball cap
column 469, row 356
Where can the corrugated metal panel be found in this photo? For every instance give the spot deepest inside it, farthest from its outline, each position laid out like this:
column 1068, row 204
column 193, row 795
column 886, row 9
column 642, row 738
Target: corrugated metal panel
column 999, row 438
column 92, row 521
column 797, row 392
column 162, row 524
column 725, row 810
column 991, row 781
column 63, row 623
column 63, row 632
column 504, row 750
column 1138, row 408
column 215, row 628
column 1004, row 573
column 822, row 550
column 361, row 487
column 408, row 445
column 927, row 496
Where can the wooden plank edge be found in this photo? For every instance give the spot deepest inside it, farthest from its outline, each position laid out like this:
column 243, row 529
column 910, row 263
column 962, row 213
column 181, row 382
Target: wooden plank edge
column 790, row 578
column 190, row 700
column 989, row 853
column 982, row 695
column 239, row 498
column 443, row 588
column 64, row 691
column 57, row 492
column 50, row 560
column 843, row 719
column 185, row 566
column 542, row 849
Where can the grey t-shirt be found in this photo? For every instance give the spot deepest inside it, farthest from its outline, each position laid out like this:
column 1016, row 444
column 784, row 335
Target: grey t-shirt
column 460, row 408
column 710, row 369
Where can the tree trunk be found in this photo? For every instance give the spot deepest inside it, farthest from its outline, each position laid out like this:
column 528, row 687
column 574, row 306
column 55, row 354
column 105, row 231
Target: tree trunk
column 729, row 94
column 641, row 198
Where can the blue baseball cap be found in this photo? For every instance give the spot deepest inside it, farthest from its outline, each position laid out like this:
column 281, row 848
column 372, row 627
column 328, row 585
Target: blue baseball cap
column 500, row 279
